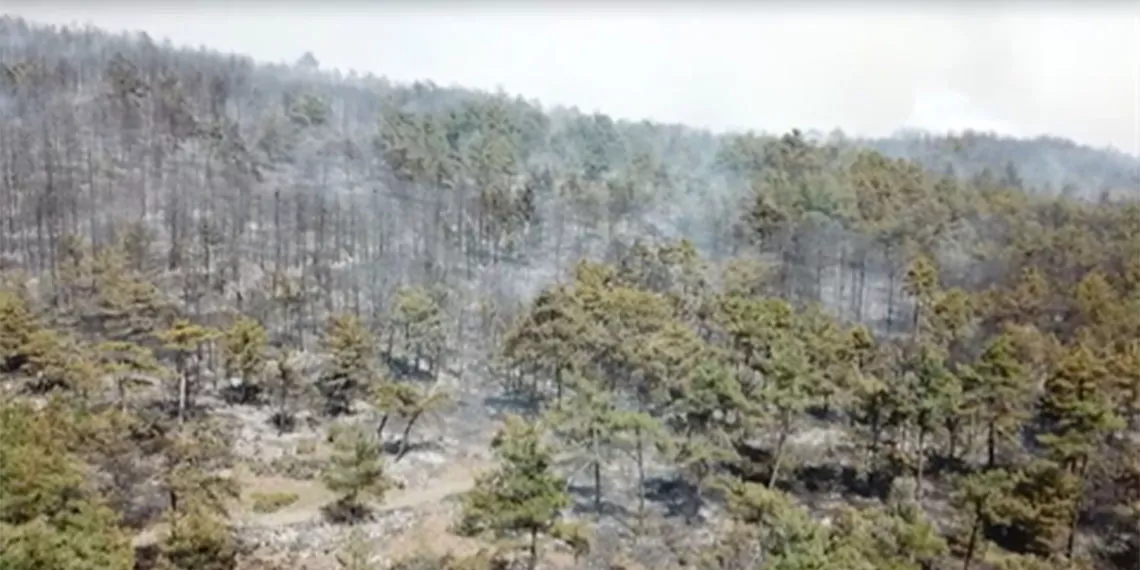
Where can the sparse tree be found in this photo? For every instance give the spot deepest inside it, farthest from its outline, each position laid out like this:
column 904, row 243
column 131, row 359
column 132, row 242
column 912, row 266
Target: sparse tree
column 244, row 345
column 522, row 500
column 185, row 340
column 356, row 473
column 351, row 369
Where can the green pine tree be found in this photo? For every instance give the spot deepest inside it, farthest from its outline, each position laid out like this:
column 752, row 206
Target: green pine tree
column 351, row 368
column 1079, row 415
column 244, row 346
column 522, row 501
column 197, row 540
column 357, row 473
column 50, row 515
column 185, row 339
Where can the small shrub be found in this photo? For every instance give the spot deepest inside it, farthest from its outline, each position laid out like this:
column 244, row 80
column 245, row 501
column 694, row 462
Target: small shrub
column 306, row 447
column 272, row 502
column 293, row 467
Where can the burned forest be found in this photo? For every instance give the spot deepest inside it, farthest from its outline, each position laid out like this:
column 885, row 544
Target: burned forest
column 280, row 317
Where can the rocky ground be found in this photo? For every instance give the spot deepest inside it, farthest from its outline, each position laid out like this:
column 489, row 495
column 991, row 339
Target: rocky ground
column 448, row 453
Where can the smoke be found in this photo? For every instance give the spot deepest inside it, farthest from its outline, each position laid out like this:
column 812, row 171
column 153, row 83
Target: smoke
column 952, row 112
column 868, row 69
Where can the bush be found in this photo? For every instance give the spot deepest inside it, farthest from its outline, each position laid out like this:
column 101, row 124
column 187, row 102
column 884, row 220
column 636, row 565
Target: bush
column 272, row 502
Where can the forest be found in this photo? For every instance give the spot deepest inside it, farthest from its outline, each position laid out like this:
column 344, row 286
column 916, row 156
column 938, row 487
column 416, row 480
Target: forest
column 279, row 317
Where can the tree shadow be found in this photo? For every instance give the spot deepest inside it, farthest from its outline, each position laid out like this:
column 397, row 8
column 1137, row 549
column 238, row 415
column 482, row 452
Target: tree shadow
column 241, row 394
column 146, row 557
column 401, row 369
column 831, row 479
column 827, row 479
column 675, row 495
column 828, row 414
column 394, row 446
column 1118, row 551
column 284, row 422
column 583, row 497
column 939, row 465
column 343, row 512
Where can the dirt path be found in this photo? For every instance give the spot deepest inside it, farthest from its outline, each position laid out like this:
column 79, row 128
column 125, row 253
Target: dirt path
column 312, row 496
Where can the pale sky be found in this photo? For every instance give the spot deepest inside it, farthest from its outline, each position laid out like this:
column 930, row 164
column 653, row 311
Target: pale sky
column 1022, row 69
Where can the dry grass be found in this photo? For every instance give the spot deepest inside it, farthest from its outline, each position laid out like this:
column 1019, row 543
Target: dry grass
column 272, row 502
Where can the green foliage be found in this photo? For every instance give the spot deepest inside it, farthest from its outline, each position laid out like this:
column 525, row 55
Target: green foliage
column 420, row 315
column 84, row 537
column 1039, row 334
column 983, row 500
column 58, row 361
column 550, row 338
column 185, row 339
column 197, row 541
column 17, row 326
column 1076, row 408
column 899, row 539
column 522, row 499
column 772, row 531
column 50, row 517
column 1043, row 502
column 129, row 366
column 411, row 403
column 244, row 346
column 273, row 501
column 998, row 389
column 351, row 368
column 284, row 383
column 356, row 472
column 591, row 426
column 194, row 474
column 38, row 472
column 124, row 305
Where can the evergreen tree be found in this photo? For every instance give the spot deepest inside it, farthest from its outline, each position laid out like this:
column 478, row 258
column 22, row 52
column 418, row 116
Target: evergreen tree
column 244, row 345
column 357, row 473
column 982, row 500
column 549, row 340
column 998, row 390
column 704, row 421
column 196, row 540
column 351, row 368
column 1041, row 509
column 929, row 395
column 129, row 365
column 1078, row 416
column 285, row 385
column 195, row 472
column 411, row 403
column 17, row 325
column 786, row 393
column 50, row 516
column 185, row 340
column 522, row 500
column 590, row 425
column 420, row 315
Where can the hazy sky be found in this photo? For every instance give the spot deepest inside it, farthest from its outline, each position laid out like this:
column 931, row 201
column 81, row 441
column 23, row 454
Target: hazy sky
column 869, row 69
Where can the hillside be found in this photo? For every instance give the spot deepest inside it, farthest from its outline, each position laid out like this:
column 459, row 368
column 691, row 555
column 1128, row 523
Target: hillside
column 249, row 312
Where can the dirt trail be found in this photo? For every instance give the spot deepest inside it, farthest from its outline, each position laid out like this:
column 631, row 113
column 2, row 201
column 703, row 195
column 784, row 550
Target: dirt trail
column 456, row 481
column 312, row 495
